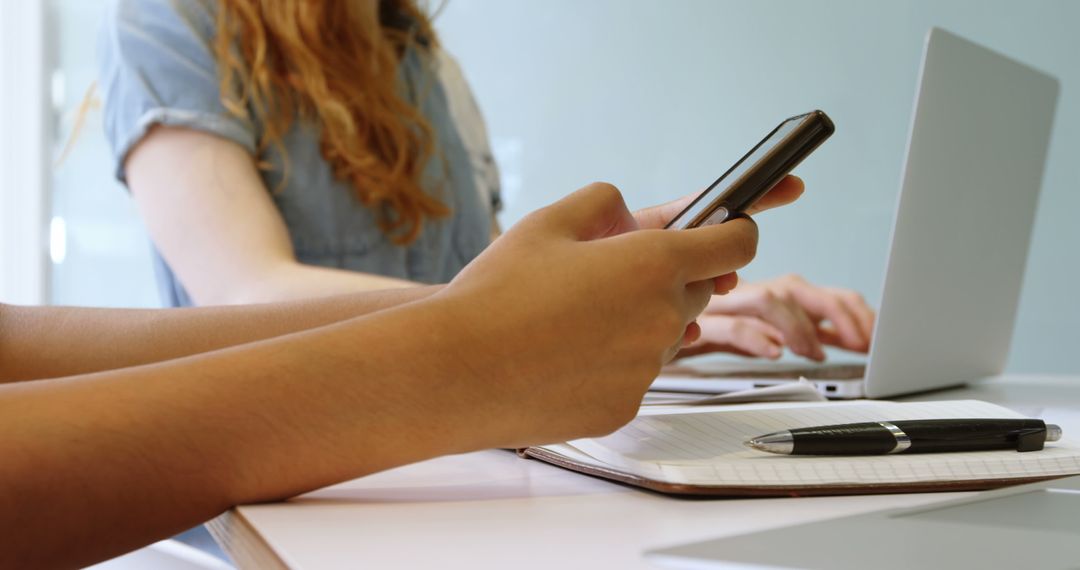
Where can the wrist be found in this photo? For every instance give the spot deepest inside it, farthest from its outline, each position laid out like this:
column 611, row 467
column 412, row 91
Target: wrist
column 478, row 362
column 413, row 391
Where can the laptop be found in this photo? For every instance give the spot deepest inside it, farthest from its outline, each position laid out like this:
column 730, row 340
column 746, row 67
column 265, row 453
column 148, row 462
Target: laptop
column 1027, row 526
column 974, row 167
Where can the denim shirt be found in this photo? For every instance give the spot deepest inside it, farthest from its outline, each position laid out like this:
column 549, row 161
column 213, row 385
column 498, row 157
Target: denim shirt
column 157, row 67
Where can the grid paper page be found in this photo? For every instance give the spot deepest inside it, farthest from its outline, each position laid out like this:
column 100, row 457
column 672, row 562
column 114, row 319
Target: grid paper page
column 706, row 448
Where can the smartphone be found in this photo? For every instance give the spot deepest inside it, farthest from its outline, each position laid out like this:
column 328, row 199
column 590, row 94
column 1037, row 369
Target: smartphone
column 757, row 172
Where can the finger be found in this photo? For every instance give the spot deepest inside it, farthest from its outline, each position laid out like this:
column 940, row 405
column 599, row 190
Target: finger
column 864, row 314
column 710, row 251
column 847, row 328
column 656, row 217
column 769, row 330
column 741, row 335
column 700, row 348
column 798, row 330
column 785, row 192
column 697, row 298
column 828, row 304
column 691, row 334
column 725, row 283
column 827, row 335
column 852, row 335
column 758, row 338
column 704, row 348
column 595, row 211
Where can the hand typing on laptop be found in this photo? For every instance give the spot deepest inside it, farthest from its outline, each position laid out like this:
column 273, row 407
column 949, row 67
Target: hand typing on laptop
column 760, row 319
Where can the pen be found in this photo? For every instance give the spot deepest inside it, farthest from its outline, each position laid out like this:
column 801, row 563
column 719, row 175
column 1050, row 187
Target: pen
column 910, row 436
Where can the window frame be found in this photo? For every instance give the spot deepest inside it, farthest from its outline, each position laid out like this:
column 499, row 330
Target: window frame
column 24, row 153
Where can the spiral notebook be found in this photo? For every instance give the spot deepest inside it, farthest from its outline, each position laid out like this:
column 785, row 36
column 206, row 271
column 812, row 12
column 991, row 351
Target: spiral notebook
column 700, row 451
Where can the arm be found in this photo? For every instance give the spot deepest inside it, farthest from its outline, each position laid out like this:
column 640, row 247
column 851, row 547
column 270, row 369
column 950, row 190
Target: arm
column 50, row 342
column 183, row 179
column 107, row 462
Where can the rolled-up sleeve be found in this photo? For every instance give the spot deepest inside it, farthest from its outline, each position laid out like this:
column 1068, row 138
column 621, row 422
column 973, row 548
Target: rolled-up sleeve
column 157, row 67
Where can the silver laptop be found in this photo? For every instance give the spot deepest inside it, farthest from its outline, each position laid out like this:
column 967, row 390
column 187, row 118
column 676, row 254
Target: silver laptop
column 1028, row 526
column 974, row 167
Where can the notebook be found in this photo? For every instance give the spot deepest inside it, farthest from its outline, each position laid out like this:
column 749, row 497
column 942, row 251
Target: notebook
column 976, row 150
column 700, row 451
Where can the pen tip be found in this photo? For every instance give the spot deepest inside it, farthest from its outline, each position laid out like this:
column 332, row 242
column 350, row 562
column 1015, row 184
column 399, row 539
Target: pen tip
column 779, row 442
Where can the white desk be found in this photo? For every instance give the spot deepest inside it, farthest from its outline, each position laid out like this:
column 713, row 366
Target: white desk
column 491, row 509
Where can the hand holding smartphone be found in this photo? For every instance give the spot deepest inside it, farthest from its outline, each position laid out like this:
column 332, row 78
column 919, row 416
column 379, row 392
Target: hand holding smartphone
column 756, row 172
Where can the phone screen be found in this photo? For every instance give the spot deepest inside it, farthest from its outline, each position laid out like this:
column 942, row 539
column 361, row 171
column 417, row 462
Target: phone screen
column 757, row 172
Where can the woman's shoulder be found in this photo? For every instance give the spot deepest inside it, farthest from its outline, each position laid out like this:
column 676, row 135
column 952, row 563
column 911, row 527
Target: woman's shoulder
column 157, row 65
column 156, row 16
column 163, row 42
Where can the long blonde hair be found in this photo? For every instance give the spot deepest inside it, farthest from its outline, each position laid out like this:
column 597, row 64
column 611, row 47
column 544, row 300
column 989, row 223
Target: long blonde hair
column 335, row 63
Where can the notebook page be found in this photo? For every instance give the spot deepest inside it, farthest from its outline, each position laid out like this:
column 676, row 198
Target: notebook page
column 706, row 448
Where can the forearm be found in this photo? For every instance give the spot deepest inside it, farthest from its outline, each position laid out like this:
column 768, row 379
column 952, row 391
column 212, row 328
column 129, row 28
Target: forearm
column 291, row 280
column 51, row 342
column 176, row 443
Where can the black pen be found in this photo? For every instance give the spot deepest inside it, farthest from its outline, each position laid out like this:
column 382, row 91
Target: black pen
column 910, row 436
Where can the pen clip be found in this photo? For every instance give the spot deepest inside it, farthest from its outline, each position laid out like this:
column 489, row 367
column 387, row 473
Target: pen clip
column 1030, row 439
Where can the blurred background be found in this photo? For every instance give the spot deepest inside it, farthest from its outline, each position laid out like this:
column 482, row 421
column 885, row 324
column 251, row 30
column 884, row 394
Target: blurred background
column 656, row 96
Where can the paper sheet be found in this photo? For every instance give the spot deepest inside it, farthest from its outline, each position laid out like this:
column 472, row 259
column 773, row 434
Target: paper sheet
column 801, row 391
column 706, row 447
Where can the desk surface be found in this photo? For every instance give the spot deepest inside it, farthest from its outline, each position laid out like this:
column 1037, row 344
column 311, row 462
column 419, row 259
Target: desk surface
column 491, row 509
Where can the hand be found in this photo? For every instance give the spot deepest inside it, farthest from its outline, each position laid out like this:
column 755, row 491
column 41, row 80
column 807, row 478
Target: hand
column 785, row 192
column 759, row 319
column 606, row 303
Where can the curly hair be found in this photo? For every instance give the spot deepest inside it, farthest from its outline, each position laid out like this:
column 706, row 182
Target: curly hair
column 336, row 64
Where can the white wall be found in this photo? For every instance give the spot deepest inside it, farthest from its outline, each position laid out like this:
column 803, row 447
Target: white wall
column 660, row 96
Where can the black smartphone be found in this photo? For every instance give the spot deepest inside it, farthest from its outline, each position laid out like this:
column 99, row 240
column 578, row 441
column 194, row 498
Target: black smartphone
column 757, row 172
